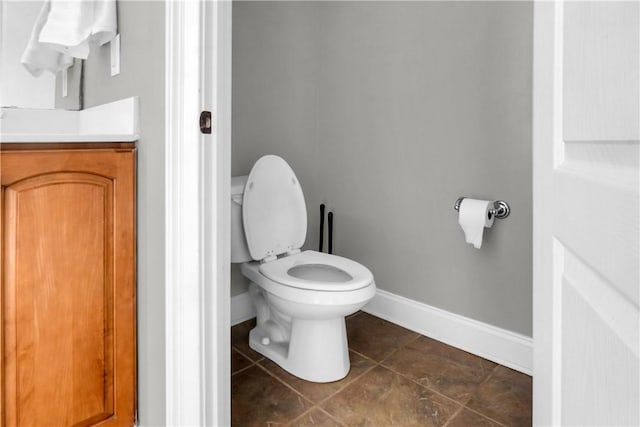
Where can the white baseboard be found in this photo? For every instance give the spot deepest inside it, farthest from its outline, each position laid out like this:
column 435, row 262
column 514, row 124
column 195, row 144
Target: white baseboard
column 496, row 344
column 242, row 308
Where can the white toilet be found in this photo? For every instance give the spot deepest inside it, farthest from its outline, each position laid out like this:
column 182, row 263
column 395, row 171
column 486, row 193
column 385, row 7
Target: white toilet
column 301, row 298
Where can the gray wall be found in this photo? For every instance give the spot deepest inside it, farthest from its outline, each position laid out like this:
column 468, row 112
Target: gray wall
column 73, row 100
column 141, row 27
column 388, row 112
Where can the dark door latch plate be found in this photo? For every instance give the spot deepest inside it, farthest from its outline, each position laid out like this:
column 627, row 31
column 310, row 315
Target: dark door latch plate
column 205, row 122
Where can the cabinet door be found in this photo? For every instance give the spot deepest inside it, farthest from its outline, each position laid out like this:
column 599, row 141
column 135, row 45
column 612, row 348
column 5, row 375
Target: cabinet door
column 68, row 288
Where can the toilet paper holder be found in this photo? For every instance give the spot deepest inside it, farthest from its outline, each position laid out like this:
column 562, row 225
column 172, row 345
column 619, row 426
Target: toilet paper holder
column 500, row 209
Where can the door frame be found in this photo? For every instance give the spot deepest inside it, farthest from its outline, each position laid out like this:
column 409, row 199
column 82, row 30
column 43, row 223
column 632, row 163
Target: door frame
column 546, row 111
column 197, row 254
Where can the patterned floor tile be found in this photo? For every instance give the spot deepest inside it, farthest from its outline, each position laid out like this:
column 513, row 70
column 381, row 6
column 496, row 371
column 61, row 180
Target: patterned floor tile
column 467, row 418
column 258, row 399
column 374, row 337
column 240, row 339
column 238, row 362
column 317, row 392
column 397, row 378
column 505, row 397
column 315, row 418
column 383, row 398
column 448, row 370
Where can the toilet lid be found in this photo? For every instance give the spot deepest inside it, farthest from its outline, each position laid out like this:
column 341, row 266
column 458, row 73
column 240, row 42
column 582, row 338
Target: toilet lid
column 273, row 210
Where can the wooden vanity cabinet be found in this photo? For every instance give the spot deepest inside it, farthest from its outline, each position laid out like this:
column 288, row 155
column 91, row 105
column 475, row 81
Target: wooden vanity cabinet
column 67, row 239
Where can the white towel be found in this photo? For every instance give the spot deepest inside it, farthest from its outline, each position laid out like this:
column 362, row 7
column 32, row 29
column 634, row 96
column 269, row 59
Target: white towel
column 37, row 57
column 63, row 31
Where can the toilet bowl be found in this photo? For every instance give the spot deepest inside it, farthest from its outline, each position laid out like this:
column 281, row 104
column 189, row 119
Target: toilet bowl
column 301, row 298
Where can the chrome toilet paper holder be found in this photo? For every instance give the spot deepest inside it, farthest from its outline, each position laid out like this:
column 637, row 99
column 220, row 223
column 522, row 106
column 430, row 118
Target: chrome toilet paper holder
column 500, row 209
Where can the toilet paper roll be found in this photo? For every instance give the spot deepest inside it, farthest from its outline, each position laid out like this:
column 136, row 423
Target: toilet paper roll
column 474, row 217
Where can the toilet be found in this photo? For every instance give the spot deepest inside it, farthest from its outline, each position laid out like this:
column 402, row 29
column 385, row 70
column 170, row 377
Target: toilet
column 301, row 298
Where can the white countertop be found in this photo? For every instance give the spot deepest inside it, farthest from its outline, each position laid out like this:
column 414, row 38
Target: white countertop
column 113, row 122
column 60, row 137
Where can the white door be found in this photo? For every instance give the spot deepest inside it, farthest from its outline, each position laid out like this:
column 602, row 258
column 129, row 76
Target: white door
column 586, row 213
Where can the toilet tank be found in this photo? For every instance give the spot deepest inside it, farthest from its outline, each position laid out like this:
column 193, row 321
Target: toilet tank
column 239, row 249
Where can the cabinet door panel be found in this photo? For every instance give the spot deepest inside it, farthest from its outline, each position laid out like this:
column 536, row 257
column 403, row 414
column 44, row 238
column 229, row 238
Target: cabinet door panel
column 68, row 292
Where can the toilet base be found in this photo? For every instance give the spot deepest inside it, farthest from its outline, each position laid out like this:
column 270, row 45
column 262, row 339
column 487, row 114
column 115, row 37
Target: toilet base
column 316, row 351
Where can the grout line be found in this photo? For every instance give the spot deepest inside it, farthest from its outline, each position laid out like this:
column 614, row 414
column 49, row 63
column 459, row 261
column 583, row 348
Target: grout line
column 389, row 355
column 414, row 339
column 302, row 415
column 331, row 416
column 243, row 369
column 457, row 364
column 400, row 348
column 354, row 314
column 424, row 386
column 484, row 415
column 285, row 383
column 365, row 356
column 240, row 351
column 353, row 380
column 251, row 362
column 491, row 374
column 493, row 371
column 455, row 414
column 315, row 407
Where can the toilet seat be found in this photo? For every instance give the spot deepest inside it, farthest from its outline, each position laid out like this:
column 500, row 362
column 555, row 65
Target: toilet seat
column 318, row 271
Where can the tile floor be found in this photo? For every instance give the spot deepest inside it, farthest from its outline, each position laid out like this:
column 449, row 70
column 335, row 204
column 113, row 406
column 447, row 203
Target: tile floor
column 397, row 378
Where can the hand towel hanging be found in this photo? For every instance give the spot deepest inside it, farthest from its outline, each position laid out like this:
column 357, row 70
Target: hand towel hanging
column 65, row 29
